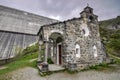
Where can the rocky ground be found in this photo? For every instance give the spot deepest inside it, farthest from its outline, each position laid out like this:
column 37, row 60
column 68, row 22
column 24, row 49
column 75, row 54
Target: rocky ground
column 29, row 73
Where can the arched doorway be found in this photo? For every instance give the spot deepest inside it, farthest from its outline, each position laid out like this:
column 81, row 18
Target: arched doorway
column 57, row 45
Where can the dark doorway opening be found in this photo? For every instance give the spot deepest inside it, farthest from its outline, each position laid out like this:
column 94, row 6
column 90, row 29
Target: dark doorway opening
column 60, row 55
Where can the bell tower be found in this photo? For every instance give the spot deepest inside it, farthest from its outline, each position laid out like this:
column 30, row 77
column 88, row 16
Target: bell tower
column 88, row 15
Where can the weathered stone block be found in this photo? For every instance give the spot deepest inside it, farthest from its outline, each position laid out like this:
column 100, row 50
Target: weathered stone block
column 72, row 66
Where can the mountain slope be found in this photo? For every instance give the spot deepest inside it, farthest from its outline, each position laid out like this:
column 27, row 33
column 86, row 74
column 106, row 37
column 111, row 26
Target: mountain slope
column 112, row 24
column 110, row 35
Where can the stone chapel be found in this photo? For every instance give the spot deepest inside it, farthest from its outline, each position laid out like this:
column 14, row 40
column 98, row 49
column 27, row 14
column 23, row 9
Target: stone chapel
column 74, row 43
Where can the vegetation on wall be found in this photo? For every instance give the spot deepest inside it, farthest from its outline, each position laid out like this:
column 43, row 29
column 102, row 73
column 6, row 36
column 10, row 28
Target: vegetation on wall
column 49, row 60
column 31, row 49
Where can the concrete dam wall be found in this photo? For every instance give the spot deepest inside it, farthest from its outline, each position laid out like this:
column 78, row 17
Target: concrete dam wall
column 18, row 29
column 11, row 43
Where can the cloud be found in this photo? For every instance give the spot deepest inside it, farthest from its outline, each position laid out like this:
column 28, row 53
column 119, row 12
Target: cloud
column 49, row 1
column 55, row 17
column 66, row 9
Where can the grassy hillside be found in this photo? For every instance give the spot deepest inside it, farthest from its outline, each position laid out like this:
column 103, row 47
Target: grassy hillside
column 111, row 22
column 27, row 58
column 111, row 37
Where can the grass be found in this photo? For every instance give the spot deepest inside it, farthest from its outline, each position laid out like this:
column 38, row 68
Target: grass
column 111, row 37
column 100, row 67
column 114, row 21
column 23, row 61
column 20, row 63
column 111, row 40
column 116, row 59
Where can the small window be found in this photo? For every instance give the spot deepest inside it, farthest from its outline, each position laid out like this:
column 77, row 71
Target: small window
column 95, row 51
column 77, row 50
column 91, row 18
column 83, row 31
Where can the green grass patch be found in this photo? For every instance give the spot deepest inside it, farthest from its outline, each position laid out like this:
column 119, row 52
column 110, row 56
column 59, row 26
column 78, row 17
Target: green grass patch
column 101, row 67
column 117, row 61
column 23, row 61
column 115, row 58
column 111, row 37
column 49, row 60
column 20, row 63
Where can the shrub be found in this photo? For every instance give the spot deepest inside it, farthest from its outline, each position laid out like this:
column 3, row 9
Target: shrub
column 49, row 60
column 31, row 49
column 100, row 66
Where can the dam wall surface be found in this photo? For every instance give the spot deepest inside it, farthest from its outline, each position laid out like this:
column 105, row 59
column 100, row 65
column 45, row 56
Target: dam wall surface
column 18, row 29
column 20, row 21
column 11, row 43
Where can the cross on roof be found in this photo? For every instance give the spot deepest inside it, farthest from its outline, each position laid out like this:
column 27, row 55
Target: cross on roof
column 87, row 4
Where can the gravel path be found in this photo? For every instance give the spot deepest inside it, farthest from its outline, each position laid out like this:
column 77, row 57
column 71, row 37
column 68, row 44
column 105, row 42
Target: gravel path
column 29, row 73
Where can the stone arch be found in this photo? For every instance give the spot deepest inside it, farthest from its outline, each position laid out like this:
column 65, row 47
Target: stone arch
column 57, row 37
column 55, row 31
column 77, row 50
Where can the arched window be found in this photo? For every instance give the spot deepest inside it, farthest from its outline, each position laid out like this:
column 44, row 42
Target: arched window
column 77, row 50
column 85, row 29
column 95, row 51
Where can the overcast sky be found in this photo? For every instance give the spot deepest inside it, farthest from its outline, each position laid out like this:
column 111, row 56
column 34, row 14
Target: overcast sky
column 66, row 9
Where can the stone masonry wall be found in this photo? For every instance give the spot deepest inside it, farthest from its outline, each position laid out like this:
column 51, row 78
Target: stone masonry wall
column 81, row 43
column 71, row 30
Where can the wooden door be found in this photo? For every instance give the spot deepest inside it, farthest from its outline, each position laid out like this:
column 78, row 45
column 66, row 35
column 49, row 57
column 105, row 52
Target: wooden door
column 60, row 55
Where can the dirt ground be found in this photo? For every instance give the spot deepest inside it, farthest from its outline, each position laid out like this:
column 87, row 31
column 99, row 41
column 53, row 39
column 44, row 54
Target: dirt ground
column 29, row 73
